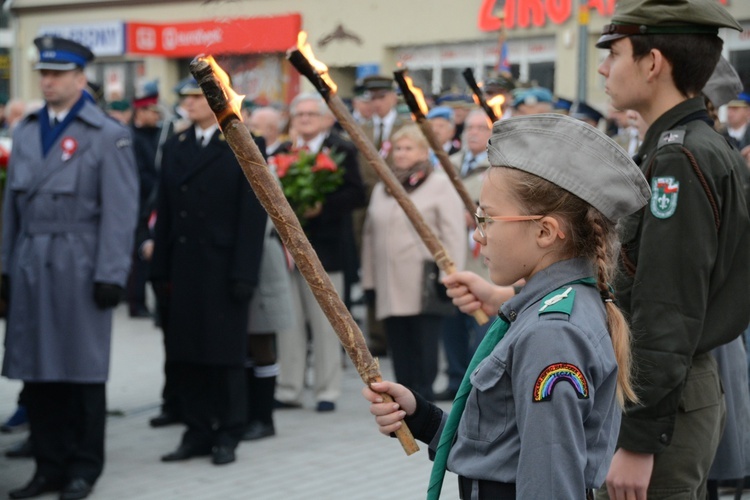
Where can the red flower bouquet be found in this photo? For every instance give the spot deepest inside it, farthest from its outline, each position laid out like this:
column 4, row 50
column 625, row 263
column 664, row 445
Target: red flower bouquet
column 308, row 178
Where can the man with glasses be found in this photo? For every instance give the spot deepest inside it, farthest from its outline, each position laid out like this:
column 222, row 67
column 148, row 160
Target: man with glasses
column 461, row 333
column 328, row 226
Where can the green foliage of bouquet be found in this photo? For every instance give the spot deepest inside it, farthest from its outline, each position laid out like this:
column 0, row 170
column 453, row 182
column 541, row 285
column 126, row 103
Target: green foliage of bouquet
column 308, row 178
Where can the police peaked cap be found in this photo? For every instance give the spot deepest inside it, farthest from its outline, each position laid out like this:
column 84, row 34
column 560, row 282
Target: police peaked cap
column 61, row 54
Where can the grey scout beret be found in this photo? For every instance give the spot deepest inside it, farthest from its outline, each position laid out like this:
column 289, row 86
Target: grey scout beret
column 573, row 155
column 666, row 17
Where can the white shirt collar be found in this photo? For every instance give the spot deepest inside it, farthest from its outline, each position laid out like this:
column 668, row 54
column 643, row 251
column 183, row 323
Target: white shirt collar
column 200, row 133
column 737, row 133
column 388, row 121
column 314, row 144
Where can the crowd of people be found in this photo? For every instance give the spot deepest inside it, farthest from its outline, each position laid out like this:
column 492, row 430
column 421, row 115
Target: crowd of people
column 609, row 250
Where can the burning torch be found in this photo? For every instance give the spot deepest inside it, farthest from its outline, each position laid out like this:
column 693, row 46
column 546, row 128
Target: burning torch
column 414, row 98
column 302, row 58
column 225, row 104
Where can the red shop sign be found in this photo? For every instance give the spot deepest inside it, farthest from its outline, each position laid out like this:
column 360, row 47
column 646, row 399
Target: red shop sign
column 248, row 35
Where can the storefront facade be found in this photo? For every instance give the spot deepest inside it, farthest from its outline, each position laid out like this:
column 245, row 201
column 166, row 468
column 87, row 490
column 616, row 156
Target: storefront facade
column 139, row 40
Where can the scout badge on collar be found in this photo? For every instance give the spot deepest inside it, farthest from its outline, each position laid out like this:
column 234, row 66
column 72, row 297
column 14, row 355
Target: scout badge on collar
column 664, row 196
column 69, row 146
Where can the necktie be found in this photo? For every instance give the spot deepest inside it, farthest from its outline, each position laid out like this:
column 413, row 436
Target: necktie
column 381, row 129
column 493, row 336
column 469, row 166
column 55, row 122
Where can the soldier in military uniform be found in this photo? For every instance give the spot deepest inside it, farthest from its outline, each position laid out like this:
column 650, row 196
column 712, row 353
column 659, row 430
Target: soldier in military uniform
column 208, row 243
column 685, row 280
column 68, row 223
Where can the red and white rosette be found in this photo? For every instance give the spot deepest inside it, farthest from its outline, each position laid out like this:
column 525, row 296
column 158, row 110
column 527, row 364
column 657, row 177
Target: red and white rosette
column 69, row 146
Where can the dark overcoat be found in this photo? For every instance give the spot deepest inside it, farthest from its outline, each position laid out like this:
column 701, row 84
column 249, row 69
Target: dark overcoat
column 208, row 238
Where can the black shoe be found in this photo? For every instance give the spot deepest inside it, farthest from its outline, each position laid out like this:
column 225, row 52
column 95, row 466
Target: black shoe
column 37, row 486
column 325, row 406
column 446, row 395
column 222, row 455
column 280, row 405
column 76, row 488
column 140, row 312
column 20, row 450
column 164, row 419
column 185, row 452
column 258, row 430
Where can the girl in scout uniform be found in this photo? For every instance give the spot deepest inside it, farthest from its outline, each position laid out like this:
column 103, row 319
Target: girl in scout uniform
column 537, row 413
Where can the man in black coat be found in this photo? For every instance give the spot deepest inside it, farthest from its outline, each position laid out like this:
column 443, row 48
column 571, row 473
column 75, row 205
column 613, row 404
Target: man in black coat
column 329, row 228
column 208, row 242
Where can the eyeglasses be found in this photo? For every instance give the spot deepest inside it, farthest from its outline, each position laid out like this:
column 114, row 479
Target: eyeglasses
column 482, row 220
column 300, row 114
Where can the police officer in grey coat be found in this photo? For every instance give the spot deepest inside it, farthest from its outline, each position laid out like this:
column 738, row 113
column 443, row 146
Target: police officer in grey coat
column 68, row 222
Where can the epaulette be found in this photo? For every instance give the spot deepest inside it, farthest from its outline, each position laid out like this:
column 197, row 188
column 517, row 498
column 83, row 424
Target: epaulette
column 671, row 137
column 559, row 301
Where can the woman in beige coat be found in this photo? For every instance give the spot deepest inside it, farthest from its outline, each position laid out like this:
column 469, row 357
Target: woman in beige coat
column 393, row 258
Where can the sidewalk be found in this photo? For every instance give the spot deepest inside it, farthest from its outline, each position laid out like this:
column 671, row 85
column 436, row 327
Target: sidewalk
column 332, row 456
column 338, row 455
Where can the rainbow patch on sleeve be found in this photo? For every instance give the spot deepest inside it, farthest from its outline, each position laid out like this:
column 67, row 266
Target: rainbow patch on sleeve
column 555, row 373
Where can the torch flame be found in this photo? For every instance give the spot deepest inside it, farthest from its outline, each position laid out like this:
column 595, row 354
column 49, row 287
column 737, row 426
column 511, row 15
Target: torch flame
column 235, row 100
column 496, row 103
column 418, row 95
column 321, row 68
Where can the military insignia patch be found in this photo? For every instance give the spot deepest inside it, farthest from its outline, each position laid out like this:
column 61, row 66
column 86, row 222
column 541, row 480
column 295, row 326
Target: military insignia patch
column 664, row 191
column 559, row 372
column 123, row 142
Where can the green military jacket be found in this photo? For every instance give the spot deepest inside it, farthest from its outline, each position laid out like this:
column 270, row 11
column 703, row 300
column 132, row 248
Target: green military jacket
column 685, row 266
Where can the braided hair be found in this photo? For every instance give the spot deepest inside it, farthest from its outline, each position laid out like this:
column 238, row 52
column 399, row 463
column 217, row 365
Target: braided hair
column 589, row 234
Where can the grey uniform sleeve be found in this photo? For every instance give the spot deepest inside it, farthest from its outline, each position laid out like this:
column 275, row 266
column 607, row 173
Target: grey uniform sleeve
column 551, row 376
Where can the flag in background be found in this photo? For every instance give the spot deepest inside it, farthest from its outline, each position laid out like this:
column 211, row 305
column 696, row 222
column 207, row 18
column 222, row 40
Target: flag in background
column 503, row 65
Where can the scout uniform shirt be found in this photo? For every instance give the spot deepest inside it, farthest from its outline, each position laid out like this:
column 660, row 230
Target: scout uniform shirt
column 698, row 212
column 542, row 412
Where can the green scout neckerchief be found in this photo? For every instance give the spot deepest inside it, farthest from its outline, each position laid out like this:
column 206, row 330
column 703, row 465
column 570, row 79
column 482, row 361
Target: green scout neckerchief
column 495, row 333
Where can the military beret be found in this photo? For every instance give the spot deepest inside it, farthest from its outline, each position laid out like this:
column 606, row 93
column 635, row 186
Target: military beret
column 455, row 100
column 377, row 82
column 563, row 104
column 574, row 156
column 443, row 112
column 119, row 105
column 741, row 101
column 724, row 86
column 61, row 54
column 149, row 95
column 531, row 96
column 666, row 17
column 583, row 111
column 497, row 84
column 188, row 86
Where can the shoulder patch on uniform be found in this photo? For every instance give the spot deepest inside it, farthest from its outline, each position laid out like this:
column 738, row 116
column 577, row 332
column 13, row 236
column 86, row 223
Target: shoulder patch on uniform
column 559, row 301
column 558, row 372
column 671, row 137
column 123, row 142
column 664, row 191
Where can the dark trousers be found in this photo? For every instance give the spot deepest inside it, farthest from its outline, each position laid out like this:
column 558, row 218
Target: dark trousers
column 136, row 286
column 413, row 344
column 461, row 335
column 68, row 422
column 212, row 404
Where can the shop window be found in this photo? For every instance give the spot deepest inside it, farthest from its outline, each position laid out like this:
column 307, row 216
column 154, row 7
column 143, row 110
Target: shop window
column 543, row 74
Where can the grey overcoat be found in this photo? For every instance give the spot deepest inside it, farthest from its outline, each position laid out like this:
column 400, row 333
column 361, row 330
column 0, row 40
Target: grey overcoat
column 68, row 222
